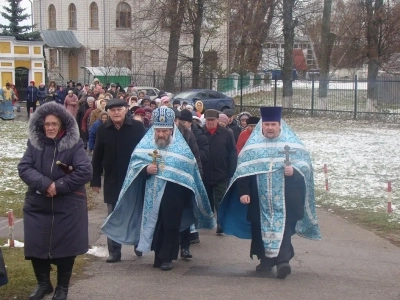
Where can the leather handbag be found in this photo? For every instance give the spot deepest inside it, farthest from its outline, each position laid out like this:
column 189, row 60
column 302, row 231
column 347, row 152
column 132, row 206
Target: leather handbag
column 3, row 270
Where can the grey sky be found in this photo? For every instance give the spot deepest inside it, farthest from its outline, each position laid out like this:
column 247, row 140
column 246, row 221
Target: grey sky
column 25, row 4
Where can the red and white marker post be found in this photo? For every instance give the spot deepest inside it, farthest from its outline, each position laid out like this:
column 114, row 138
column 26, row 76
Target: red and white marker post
column 389, row 199
column 326, row 177
column 11, row 228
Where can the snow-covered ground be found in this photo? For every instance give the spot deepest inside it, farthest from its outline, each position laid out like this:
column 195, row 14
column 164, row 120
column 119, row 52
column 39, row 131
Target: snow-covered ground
column 361, row 159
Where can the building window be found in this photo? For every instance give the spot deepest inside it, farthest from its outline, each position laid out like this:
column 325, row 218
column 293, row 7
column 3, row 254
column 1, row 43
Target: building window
column 123, row 15
column 124, row 59
column 94, row 58
column 94, row 15
column 72, row 16
column 52, row 58
column 52, row 17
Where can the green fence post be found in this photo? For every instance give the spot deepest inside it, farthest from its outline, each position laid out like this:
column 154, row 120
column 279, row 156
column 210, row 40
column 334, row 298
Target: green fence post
column 312, row 95
column 355, row 97
column 241, row 92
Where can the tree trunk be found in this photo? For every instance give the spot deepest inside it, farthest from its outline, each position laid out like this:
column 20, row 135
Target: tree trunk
column 327, row 40
column 198, row 21
column 288, row 34
column 177, row 8
column 374, row 22
column 259, row 33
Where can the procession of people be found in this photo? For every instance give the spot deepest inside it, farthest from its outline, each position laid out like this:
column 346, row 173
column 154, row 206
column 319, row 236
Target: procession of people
column 166, row 172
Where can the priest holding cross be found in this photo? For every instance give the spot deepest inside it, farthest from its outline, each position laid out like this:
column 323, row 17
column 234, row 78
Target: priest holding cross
column 271, row 195
column 162, row 195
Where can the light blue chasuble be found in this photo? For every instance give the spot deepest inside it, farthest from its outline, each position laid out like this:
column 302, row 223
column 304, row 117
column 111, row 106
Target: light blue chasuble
column 262, row 157
column 134, row 218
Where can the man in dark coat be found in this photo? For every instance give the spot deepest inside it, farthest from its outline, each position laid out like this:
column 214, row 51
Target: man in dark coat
column 222, row 161
column 232, row 123
column 115, row 141
column 186, row 119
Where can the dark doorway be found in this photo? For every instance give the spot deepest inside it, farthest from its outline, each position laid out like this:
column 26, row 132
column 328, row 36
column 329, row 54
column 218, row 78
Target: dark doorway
column 21, row 82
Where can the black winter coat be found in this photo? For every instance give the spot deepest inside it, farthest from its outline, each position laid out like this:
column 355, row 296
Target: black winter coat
column 81, row 113
column 235, row 129
column 56, row 226
column 222, row 161
column 202, row 143
column 295, row 193
column 114, row 148
column 191, row 141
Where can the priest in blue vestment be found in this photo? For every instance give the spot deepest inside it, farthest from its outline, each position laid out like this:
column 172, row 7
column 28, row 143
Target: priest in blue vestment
column 162, row 194
column 271, row 195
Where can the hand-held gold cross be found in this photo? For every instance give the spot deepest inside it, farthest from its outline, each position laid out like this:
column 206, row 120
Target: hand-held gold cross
column 154, row 155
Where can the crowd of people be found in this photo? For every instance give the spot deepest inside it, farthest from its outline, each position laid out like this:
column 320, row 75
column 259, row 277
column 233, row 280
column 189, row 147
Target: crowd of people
column 166, row 170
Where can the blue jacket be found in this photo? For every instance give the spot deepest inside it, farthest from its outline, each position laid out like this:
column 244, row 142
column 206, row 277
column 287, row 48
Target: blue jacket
column 42, row 94
column 31, row 94
column 92, row 133
column 60, row 96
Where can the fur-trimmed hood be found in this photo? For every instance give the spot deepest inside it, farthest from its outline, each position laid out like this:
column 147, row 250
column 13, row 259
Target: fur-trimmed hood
column 36, row 133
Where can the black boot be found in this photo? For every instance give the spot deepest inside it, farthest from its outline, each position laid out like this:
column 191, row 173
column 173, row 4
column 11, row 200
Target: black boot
column 44, row 286
column 61, row 291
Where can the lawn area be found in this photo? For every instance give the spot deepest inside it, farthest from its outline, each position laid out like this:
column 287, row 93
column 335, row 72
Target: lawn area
column 22, row 281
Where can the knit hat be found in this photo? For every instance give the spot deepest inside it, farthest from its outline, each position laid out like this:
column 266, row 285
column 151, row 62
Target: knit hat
column 252, row 120
column 140, row 111
column 90, row 99
column 189, row 107
column 186, row 115
column 148, row 109
column 164, row 99
column 176, row 101
column 223, row 118
column 32, row 81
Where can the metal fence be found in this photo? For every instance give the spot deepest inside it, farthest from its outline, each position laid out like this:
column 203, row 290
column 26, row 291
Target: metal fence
column 346, row 98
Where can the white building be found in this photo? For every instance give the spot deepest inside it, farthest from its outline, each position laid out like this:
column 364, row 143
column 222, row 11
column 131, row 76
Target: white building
column 93, row 33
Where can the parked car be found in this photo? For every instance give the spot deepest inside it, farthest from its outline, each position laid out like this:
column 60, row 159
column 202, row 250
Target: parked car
column 210, row 98
column 152, row 92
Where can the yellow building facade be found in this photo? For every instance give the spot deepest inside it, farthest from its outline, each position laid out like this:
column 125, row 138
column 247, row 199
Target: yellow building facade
column 21, row 55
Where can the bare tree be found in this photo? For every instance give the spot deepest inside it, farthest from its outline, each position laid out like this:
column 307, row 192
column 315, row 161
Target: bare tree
column 288, row 34
column 174, row 15
column 327, row 40
column 249, row 27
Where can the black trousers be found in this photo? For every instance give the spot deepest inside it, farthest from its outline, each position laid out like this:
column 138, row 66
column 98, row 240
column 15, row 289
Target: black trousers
column 215, row 193
column 286, row 252
column 30, row 104
column 185, row 239
column 114, row 248
column 166, row 234
column 64, row 264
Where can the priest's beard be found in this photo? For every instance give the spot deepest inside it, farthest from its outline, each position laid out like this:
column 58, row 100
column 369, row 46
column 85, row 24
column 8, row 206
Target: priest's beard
column 161, row 142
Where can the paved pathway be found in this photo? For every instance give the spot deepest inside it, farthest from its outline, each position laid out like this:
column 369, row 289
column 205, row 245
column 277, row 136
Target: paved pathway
column 349, row 263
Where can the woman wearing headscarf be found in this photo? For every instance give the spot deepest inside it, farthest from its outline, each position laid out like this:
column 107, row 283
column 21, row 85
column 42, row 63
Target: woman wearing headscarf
column 71, row 103
column 242, row 119
column 56, row 168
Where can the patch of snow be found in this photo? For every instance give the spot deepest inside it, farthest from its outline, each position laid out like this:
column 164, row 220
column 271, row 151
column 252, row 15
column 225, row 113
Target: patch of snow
column 101, row 251
column 17, row 244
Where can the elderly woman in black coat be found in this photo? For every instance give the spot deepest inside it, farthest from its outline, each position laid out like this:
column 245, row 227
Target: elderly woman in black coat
column 56, row 168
